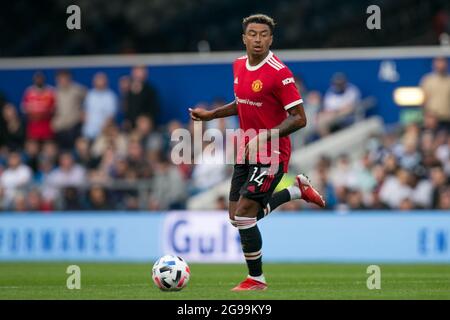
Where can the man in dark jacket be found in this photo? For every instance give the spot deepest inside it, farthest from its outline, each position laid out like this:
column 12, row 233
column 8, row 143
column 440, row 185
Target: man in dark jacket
column 141, row 99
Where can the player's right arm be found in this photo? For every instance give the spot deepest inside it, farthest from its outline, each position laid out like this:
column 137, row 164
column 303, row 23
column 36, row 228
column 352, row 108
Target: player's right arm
column 200, row 114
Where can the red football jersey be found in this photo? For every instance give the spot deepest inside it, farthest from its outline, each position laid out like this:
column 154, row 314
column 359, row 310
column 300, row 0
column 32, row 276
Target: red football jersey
column 263, row 95
column 39, row 106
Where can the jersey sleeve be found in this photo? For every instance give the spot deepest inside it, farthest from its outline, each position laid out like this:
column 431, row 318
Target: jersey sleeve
column 236, row 74
column 285, row 89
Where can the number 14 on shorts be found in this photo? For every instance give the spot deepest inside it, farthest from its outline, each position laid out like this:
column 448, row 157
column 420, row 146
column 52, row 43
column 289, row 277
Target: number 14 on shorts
column 258, row 178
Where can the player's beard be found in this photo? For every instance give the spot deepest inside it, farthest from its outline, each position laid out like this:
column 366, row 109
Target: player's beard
column 259, row 55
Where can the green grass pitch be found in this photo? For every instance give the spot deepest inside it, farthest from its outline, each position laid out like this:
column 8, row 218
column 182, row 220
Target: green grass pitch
column 213, row 281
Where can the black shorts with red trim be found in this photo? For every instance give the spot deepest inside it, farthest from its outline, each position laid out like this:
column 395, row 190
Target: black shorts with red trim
column 254, row 181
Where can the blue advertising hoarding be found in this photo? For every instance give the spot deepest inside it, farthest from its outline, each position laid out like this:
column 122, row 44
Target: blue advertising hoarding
column 84, row 236
column 377, row 237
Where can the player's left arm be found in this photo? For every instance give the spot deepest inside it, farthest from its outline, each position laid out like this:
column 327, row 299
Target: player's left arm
column 291, row 101
column 295, row 121
column 287, row 93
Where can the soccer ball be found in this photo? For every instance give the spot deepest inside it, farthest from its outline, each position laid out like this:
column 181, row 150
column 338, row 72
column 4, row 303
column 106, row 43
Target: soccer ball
column 170, row 273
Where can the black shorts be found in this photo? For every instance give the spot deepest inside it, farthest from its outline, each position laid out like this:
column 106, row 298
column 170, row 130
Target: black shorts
column 253, row 181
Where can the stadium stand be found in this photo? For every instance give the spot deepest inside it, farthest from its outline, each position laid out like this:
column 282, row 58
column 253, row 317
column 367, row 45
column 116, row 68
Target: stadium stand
column 86, row 155
column 142, row 26
column 408, row 156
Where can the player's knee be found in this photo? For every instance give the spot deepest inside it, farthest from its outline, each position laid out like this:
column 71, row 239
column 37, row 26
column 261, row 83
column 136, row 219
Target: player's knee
column 245, row 210
column 232, row 212
column 232, row 216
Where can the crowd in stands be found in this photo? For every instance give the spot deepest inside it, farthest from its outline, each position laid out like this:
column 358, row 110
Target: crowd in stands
column 406, row 168
column 134, row 26
column 74, row 148
column 65, row 146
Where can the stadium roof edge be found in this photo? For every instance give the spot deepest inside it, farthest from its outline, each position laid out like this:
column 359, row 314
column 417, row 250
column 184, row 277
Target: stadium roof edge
column 219, row 57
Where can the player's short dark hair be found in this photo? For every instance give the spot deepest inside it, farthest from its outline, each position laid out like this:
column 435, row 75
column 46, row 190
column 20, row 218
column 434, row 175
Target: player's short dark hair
column 258, row 18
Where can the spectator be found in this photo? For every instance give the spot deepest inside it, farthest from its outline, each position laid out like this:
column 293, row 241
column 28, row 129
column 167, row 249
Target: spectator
column 20, row 202
column 343, row 174
column 396, row 189
column 407, row 204
column 110, row 137
column 131, row 202
column 379, row 175
column 390, row 165
column 35, row 202
column 363, row 178
column 325, row 186
column 422, row 189
column 50, row 151
column 211, row 170
column 16, row 177
column 67, row 174
column 141, row 99
column 312, row 103
column 100, row 107
column 71, row 199
column 38, row 105
column 340, row 101
column 427, row 142
column 430, row 122
column 83, row 155
column 429, row 160
column 169, row 188
column 444, row 199
column 126, row 197
column 31, row 154
column 44, row 168
column 150, row 139
column 355, row 200
column 409, row 155
column 167, row 143
column 102, row 173
column 98, row 199
column 124, row 89
column 13, row 130
column 381, row 147
column 443, row 152
column 135, row 156
column 68, row 116
column 145, row 132
column 120, row 169
column 436, row 88
column 439, row 183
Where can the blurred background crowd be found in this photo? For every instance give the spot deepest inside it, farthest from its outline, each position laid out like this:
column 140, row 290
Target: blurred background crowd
column 68, row 147
column 124, row 26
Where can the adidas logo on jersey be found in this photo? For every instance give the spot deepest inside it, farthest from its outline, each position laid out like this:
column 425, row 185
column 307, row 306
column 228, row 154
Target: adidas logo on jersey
column 236, row 80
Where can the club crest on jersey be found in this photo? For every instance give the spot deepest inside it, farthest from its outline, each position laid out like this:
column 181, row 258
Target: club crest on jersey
column 257, row 85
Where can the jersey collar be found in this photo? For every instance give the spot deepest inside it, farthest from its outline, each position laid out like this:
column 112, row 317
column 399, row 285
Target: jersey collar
column 259, row 65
